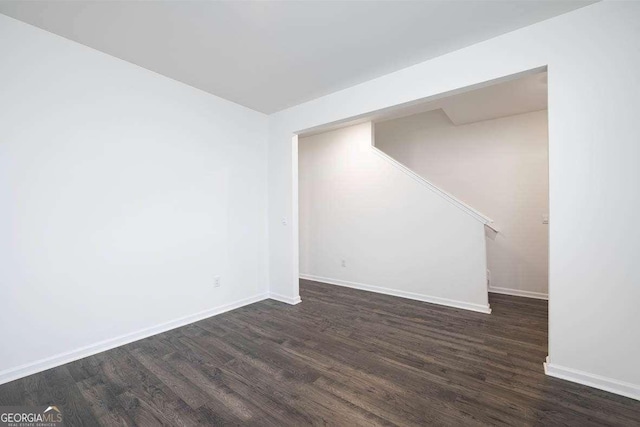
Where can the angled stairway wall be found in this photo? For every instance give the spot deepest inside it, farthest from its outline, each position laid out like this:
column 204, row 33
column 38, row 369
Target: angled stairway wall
column 369, row 223
column 498, row 166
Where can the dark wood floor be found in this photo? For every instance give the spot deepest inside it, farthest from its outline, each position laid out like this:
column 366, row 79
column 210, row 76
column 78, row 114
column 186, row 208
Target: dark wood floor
column 342, row 357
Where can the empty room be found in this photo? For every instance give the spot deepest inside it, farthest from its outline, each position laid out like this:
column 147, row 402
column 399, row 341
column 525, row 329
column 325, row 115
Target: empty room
column 341, row 213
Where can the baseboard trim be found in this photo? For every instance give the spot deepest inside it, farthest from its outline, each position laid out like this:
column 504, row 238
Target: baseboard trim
column 22, row 371
column 285, row 299
column 518, row 293
column 402, row 294
column 607, row 384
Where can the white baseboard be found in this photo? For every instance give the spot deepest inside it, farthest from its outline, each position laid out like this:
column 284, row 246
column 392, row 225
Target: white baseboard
column 402, row 294
column 518, row 293
column 79, row 353
column 607, row 384
column 285, row 299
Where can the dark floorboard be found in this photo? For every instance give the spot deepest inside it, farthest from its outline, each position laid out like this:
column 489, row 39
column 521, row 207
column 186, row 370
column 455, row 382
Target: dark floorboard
column 342, row 357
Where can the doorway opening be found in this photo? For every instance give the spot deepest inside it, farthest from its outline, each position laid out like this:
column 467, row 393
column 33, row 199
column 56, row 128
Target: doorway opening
column 387, row 201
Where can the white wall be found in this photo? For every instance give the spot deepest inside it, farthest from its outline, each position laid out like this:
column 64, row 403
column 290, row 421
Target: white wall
column 593, row 62
column 394, row 235
column 499, row 167
column 123, row 193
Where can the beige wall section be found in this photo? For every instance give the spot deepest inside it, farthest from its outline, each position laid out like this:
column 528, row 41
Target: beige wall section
column 499, row 167
column 395, row 235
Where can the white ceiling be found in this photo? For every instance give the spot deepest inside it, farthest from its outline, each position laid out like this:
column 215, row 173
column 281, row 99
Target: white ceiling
column 270, row 55
column 518, row 96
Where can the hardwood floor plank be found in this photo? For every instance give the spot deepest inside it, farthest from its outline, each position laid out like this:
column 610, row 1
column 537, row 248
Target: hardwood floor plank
column 342, row 357
column 64, row 393
column 103, row 403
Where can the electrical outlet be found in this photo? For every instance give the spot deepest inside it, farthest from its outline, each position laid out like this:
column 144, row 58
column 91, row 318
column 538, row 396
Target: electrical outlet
column 344, row 263
column 216, row 282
